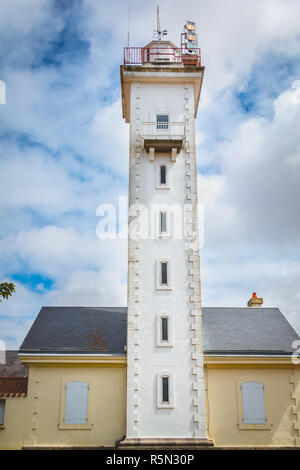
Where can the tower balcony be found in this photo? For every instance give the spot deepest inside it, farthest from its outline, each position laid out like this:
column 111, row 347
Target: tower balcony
column 162, row 53
column 163, row 137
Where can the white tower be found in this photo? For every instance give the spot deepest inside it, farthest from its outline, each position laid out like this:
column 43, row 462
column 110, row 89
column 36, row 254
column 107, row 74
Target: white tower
column 161, row 86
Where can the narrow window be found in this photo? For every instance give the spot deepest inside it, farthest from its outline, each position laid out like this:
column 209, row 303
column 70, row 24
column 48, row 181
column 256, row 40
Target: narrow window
column 163, row 174
column 163, row 222
column 253, row 403
column 2, row 409
column 165, row 389
column 164, row 329
column 164, row 273
column 162, row 121
column 76, row 403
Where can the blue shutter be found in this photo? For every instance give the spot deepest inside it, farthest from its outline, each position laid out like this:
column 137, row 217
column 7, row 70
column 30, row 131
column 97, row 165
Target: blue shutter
column 253, row 403
column 2, row 408
column 76, row 403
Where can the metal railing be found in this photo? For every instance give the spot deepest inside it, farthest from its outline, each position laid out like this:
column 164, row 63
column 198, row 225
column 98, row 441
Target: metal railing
column 161, row 55
column 164, row 131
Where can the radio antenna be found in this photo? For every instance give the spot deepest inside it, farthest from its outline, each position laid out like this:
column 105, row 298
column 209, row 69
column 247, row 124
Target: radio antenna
column 158, row 33
column 128, row 34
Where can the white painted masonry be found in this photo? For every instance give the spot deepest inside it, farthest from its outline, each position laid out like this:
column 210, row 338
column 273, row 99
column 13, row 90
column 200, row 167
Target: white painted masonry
column 160, row 91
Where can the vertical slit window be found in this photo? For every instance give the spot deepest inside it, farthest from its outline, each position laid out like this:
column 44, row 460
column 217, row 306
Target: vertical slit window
column 165, row 389
column 163, row 222
column 164, row 329
column 163, row 174
column 164, row 273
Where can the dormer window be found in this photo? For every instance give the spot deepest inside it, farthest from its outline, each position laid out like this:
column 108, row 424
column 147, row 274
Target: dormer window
column 162, row 122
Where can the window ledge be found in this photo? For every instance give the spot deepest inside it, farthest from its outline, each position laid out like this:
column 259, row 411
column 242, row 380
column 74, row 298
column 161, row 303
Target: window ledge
column 258, row 427
column 2, row 426
column 75, row 426
column 165, row 405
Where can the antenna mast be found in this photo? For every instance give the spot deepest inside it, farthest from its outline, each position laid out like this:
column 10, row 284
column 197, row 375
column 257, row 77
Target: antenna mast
column 158, row 33
column 158, row 25
column 128, row 35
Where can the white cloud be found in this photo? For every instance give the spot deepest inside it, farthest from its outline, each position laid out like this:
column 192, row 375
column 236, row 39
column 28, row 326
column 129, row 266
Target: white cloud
column 252, row 214
column 111, row 137
column 72, row 114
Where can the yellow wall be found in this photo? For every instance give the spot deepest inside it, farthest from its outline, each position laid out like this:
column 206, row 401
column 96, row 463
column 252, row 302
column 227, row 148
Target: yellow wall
column 225, row 407
column 45, row 401
column 46, row 398
column 11, row 435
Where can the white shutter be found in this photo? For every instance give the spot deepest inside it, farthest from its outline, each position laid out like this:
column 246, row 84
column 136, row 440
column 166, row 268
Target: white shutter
column 76, row 403
column 2, row 408
column 253, row 403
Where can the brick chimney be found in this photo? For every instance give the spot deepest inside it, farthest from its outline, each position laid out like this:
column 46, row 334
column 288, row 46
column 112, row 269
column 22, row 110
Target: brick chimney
column 255, row 301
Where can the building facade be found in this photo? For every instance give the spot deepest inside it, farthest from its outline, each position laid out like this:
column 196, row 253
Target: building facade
column 163, row 372
column 252, row 396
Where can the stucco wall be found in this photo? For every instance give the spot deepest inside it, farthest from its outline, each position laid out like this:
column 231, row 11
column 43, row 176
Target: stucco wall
column 183, row 360
column 107, row 396
column 11, row 435
column 224, row 406
column 46, row 398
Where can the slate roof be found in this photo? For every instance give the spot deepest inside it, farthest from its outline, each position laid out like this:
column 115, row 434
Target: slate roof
column 103, row 331
column 13, row 386
column 78, row 329
column 247, row 330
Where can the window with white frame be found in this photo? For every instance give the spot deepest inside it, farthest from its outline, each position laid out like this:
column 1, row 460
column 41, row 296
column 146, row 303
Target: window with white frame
column 2, row 412
column 163, row 222
column 164, row 330
column 163, row 175
column 163, row 274
column 76, row 410
column 253, row 403
column 165, row 390
column 162, row 122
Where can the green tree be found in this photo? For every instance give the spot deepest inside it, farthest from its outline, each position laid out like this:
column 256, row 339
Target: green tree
column 6, row 289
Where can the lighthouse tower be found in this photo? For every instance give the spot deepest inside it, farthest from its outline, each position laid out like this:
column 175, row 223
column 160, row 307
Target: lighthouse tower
column 161, row 87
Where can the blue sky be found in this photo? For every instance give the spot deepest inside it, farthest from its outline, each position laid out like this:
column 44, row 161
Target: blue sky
column 64, row 150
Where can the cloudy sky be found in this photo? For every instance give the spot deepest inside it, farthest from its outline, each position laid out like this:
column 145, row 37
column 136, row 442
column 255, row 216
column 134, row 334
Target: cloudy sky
column 64, row 150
